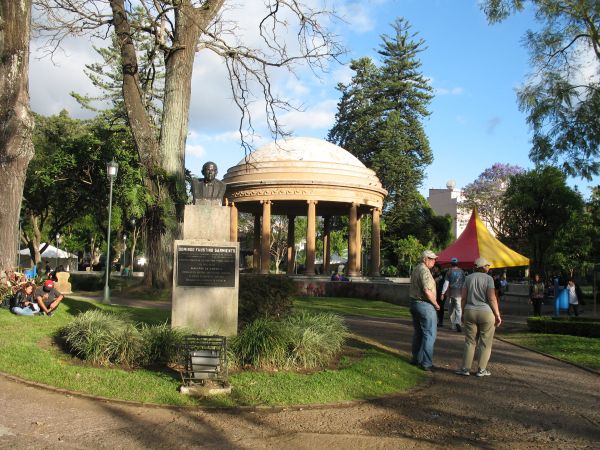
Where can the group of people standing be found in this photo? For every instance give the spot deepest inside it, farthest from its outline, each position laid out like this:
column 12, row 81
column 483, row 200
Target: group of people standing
column 537, row 294
column 31, row 300
column 473, row 306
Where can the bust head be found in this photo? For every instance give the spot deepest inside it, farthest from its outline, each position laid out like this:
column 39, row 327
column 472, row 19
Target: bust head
column 209, row 170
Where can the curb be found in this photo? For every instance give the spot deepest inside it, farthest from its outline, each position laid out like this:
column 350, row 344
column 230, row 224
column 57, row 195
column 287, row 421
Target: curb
column 579, row 366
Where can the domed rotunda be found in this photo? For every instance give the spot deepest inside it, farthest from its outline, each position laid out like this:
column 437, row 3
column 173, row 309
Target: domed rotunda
column 306, row 177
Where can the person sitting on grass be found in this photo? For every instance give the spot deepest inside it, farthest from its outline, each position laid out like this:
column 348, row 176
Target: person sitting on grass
column 48, row 298
column 23, row 303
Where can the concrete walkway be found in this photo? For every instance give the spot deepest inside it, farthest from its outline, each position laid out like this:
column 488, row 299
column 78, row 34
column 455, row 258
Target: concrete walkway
column 530, row 401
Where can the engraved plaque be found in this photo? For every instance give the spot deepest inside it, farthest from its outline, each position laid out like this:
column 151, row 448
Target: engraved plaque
column 206, row 266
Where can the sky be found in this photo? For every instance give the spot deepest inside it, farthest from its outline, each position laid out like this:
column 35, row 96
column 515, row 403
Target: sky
column 473, row 67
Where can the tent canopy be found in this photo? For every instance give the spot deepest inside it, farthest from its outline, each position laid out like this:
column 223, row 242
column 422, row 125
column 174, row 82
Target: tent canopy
column 50, row 252
column 477, row 241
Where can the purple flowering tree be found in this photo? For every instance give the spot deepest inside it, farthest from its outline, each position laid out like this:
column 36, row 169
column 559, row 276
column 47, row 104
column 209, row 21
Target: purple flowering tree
column 486, row 192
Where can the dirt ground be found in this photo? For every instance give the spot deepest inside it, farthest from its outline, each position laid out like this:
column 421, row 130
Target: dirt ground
column 530, row 401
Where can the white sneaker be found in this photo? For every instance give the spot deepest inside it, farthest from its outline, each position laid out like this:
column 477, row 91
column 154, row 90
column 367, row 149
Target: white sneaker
column 464, row 372
column 483, row 373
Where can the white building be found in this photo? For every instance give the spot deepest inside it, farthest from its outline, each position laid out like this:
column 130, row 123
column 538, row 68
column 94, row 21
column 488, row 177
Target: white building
column 446, row 201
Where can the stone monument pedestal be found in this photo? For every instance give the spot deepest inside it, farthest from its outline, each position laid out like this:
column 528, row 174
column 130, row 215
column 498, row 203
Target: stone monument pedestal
column 206, row 273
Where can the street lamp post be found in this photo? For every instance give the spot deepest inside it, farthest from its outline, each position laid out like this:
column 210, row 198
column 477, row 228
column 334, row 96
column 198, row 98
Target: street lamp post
column 124, row 251
column 132, row 246
column 57, row 250
column 111, row 172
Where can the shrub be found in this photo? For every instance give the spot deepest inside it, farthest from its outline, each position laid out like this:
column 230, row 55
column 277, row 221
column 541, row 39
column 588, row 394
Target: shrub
column 315, row 339
column 89, row 282
column 161, row 343
column 103, row 338
column 264, row 296
column 303, row 340
column 261, row 344
column 574, row 326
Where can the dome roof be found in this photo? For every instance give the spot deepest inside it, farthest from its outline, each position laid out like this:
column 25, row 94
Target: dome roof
column 301, row 169
column 302, row 149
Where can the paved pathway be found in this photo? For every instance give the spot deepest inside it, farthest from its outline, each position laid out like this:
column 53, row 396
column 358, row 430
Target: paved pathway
column 531, row 401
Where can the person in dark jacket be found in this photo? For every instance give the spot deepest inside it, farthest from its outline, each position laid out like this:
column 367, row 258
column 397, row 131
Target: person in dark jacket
column 23, row 303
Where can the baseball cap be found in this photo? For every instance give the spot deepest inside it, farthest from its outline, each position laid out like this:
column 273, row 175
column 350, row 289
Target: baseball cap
column 454, row 260
column 429, row 254
column 48, row 285
column 482, row 262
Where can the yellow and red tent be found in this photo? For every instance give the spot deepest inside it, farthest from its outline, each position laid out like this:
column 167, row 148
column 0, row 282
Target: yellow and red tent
column 477, row 241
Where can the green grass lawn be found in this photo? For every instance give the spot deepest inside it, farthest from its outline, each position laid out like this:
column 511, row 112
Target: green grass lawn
column 28, row 349
column 351, row 306
column 580, row 350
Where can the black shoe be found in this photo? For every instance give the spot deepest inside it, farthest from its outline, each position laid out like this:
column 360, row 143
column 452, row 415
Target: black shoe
column 426, row 368
column 458, row 329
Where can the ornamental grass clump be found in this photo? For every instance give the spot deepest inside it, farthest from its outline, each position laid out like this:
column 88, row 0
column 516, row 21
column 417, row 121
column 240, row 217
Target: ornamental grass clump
column 103, row 338
column 262, row 344
column 301, row 341
column 315, row 339
column 161, row 343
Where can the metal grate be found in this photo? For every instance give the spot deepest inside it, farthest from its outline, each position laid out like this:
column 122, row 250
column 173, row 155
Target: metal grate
column 203, row 358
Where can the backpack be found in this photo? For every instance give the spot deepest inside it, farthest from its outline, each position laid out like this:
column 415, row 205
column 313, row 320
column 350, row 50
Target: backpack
column 8, row 301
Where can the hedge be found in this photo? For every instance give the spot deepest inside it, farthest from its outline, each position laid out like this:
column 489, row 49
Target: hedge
column 265, row 296
column 575, row 326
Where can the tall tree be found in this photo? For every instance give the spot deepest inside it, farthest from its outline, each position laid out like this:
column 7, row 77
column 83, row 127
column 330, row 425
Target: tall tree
column 485, row 193
column 593, row 209
column 419, row 220
column 571, row 248
column 562, row 95
column 379, row 120
column 536, row 209
column 66, row 179
column 16, row 121
column 180, row 29
column 380, row 113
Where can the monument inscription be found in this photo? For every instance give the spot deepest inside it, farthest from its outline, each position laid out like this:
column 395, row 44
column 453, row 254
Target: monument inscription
column 206, row 266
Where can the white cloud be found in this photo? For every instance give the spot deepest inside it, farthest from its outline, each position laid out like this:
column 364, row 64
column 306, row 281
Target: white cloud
column 319, row 116
column 296, row 87
column 449, row 91
column 342, row 74
column 51, row 79
column 195, row 150
column 587, row 65
column 357, row 15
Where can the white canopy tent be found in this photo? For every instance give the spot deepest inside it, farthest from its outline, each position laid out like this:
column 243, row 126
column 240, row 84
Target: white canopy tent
column 52, row 255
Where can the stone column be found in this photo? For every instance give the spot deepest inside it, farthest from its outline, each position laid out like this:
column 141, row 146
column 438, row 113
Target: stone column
column 353, row 216
column 375, row 243
column 265, row 238
column 326, row 244
column 291, row 244
column 233, row 222
column 311, row 237
column 359, row 244
column 256, row 249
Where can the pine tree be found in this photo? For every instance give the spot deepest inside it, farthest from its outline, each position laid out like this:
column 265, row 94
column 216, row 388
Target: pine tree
column 380, row 113
column 379, row 120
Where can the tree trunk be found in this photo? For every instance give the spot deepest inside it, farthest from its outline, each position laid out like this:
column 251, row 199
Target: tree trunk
column 16, row 121
column 163, row 159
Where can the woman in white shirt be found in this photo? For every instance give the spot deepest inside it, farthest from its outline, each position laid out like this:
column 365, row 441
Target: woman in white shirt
column 573, row 300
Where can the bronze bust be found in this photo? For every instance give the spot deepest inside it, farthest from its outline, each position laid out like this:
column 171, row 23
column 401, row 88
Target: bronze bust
column 208, row 190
